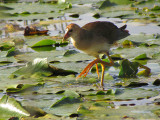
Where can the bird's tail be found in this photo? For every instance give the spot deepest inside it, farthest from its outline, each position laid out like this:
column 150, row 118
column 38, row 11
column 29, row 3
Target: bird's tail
column 123, row 27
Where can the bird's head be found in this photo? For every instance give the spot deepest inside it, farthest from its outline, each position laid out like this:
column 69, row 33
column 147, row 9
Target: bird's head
column 71, row 31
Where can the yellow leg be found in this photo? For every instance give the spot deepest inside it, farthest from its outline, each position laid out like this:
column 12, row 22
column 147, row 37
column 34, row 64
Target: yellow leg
column 87, row 68
column 102, row 77
column 90, row 65
column 97, row 70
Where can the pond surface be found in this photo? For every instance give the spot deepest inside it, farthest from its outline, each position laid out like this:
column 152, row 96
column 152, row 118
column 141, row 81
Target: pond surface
column 27, row 72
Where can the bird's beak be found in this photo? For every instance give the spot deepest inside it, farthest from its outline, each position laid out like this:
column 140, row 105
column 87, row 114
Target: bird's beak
column 66, row 36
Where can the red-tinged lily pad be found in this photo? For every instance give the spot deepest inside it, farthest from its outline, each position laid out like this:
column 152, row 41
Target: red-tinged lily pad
column 9, row 107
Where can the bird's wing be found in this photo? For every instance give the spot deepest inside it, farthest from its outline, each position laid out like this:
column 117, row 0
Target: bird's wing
column 101, row 28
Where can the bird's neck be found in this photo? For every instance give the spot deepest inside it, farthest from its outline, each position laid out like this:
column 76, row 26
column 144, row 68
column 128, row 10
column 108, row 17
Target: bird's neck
column 81, row 39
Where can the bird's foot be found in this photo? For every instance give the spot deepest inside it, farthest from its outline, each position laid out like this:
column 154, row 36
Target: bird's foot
column 87, row 69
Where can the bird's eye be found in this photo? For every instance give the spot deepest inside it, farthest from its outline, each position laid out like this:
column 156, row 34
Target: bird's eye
column 70, row 30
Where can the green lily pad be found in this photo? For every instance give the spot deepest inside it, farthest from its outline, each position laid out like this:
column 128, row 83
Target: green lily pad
column 43, row 48
column 12, row 52
column 136, row 84
column 7, row 45
column 120, row 94
column 156, row 8
column 70, row 52
column 9, row 107
column 22, row 87
column 5, row 8
column 66, row 100
column 40, row 67
column 68, row 93
column 141, row 57
column 24, row 11
column 128, row 69
column 45, row 42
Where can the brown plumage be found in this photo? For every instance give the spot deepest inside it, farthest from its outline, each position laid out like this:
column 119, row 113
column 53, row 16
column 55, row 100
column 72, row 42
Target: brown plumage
column 95, row 38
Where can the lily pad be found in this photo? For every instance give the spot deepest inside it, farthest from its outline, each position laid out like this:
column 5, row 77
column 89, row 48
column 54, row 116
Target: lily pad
column 128, row 69
column 12, row 52
column 24, row 11
column 9, row 107
column 70, row 52
column 141, row 57
column 39, row 67
column 23, row 87
column 66, row 100
column 45, row 42
column 136, row 84
column 69, row 93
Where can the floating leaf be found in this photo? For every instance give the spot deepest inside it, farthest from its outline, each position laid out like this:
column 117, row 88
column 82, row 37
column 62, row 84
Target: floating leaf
column 66, row 100
column 97, row 15
column 116, row 57
column 141, row 57
column 9, row 107
column 100, row 93
column 156, row 82
column 83, row 110
column 137, row 84
column 44, row 48
column 128, row 69
column 127, row 43
column 156, row 8
column 70, row 52
column 7, row 45
column 35, row 111
column 40, row 67
column 74, row 15
column 23, row 87
column 68, row 93
column 12, row 52
column 45, row 42
column 157, row 112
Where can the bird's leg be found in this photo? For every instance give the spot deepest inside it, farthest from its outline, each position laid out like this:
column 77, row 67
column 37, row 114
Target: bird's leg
column 97, row 70
column 102, row 77
column 111, row 63
column 88, row 67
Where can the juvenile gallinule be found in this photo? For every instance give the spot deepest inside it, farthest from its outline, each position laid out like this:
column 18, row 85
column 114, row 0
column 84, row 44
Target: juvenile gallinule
column 95, row 38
